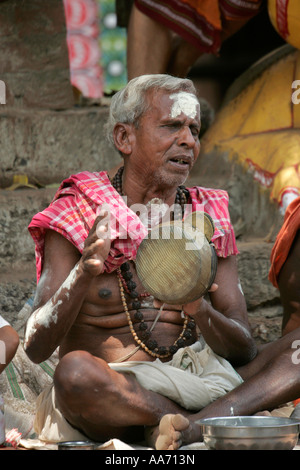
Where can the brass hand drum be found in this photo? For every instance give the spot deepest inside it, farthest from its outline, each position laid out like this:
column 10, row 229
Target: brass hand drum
column 176, row 262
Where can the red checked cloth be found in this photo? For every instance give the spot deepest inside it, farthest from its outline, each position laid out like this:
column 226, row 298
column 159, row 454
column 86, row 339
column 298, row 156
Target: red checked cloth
column 74, row 209
column 12, row 438
column 199, row 22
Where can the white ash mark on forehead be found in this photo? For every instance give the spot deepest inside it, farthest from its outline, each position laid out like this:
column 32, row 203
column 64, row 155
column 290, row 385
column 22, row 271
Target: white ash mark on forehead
column 184, row 103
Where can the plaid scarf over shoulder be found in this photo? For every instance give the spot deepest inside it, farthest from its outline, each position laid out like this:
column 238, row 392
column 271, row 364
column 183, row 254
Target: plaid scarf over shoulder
column 76, row 204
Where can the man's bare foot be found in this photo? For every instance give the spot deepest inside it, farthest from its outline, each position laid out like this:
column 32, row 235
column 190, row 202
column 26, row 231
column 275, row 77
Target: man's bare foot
column 176, row 430
column 263, row 413
column 150, row 434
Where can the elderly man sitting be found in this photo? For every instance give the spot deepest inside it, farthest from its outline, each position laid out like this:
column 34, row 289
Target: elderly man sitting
column 122, row 368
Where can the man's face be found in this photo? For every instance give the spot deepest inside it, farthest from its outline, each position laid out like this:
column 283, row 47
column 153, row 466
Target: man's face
column 166, row 143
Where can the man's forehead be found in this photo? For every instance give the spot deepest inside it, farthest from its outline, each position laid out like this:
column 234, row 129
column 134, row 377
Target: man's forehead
column 184, row 102
column 172, row 104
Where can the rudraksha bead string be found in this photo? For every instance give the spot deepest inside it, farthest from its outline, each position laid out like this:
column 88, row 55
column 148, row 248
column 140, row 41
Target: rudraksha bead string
column 144, row 338
column 182, row 194
column 126, row 284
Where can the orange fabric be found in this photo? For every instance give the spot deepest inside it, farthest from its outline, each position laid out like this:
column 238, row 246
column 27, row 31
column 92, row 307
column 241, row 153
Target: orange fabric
column 284, row 239
column 199, row 22
column 209, row 9
column 296, row 402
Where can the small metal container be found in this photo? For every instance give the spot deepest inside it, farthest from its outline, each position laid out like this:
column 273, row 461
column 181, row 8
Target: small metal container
column 250, row 433
column 76, row 445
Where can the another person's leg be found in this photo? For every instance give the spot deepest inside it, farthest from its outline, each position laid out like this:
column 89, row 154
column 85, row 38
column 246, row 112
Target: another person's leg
column 149, row 45
column 153, row 48
column 270, row 380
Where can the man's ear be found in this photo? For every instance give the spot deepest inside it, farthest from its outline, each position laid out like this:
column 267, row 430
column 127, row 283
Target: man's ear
column 123, row 137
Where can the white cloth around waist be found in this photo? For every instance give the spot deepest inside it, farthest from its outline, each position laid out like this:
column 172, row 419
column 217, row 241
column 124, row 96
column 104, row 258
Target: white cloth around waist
column 3, row 322
column 194, row 377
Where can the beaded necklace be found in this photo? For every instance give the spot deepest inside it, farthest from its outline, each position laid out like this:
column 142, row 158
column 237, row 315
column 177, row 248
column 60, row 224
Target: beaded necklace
column 182, row 194
column 126, row 284
column 150, row 345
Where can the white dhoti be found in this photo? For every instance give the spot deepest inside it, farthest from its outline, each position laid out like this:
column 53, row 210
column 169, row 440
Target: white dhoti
column 195, row 377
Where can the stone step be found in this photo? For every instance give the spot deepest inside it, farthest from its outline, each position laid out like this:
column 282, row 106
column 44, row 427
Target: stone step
column 253, row 268
column 16, row 211
column 49, row 145
column 17, row 285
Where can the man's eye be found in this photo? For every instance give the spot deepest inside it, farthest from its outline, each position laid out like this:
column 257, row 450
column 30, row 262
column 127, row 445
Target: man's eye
column 195, row 131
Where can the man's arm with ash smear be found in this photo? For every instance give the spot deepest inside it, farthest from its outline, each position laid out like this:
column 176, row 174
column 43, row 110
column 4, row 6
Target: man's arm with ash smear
column 61, row 290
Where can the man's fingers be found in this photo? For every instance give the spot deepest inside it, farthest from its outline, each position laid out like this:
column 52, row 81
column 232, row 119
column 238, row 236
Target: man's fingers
column 213, row 287
column 102, row 218
column 93, row 248
column 95, row 231
column 102, row 231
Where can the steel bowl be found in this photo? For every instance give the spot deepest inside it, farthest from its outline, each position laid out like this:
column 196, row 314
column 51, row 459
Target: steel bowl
column 76, row 445
column 250, row 433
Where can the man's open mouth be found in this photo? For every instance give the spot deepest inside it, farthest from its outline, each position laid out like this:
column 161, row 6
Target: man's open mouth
column 181, row 161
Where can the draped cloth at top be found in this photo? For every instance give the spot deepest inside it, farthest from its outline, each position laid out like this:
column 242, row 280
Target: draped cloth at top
column 284, row 240
column 198, row 22
column 74, row 209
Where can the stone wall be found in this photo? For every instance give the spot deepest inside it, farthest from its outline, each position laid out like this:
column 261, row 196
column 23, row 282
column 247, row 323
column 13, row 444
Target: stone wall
column 34, row 57
column 49, row 145
column 43, row 134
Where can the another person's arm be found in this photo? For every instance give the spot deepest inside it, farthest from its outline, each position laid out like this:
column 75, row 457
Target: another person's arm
column 9, row 342
column 289, row 287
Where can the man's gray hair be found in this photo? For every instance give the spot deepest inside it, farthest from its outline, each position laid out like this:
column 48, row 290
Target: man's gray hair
column 128, row 104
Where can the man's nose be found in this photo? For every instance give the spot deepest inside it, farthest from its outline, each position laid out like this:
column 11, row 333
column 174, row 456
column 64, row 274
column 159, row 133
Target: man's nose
column 186, row 137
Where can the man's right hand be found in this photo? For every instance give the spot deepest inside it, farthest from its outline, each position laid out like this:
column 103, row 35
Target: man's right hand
column 96, row 247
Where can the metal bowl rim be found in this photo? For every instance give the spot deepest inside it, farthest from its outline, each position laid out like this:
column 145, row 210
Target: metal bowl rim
column 75, row 443
column 281, row 422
